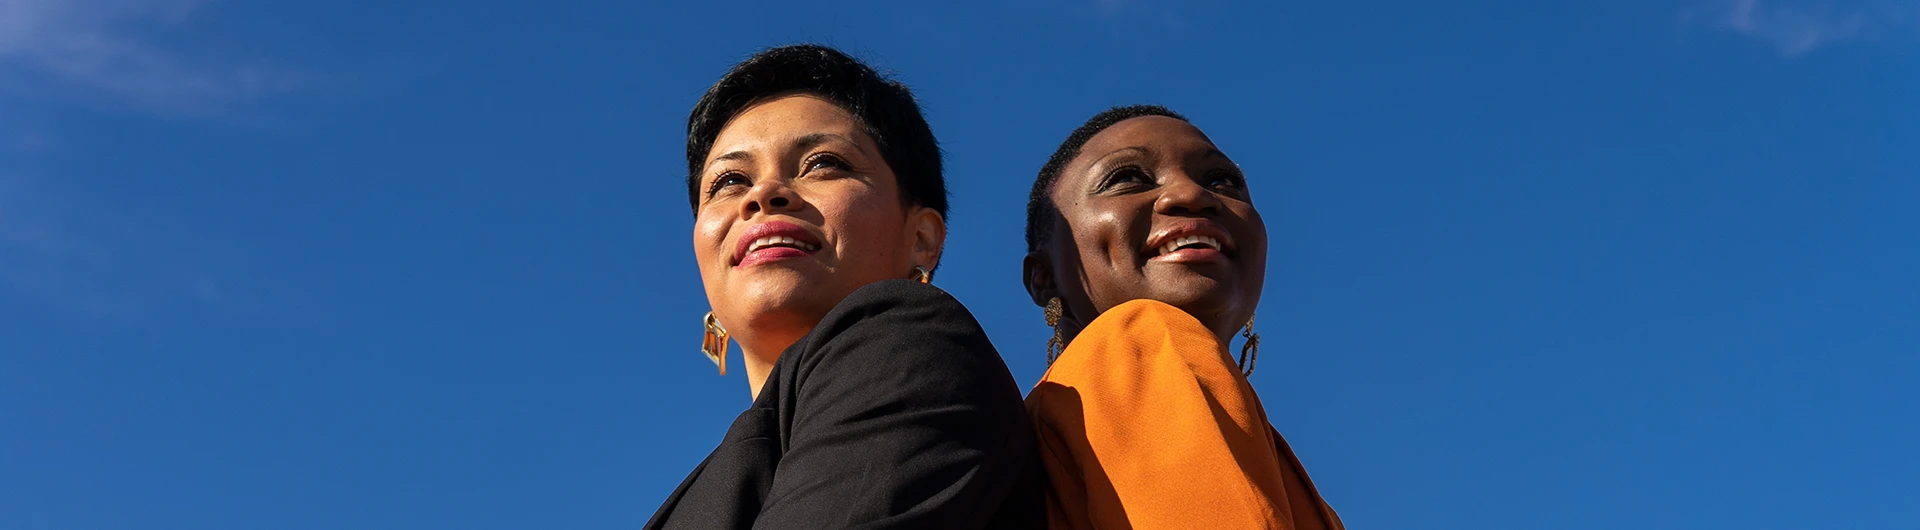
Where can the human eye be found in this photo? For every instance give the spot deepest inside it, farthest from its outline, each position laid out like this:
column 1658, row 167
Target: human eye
column 726, row 180
column 1226, row 179
column 826, row 161
column 1126, row 177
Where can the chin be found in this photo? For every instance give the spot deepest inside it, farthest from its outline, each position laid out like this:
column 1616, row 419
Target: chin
column 1203, row 297
column 782, row 298
column 1197, row 303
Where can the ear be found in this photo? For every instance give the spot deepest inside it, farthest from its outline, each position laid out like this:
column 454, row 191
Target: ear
column 929, row 231
column 1036, row 271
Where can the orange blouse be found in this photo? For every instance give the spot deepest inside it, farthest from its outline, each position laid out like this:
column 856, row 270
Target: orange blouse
column 1144, row 422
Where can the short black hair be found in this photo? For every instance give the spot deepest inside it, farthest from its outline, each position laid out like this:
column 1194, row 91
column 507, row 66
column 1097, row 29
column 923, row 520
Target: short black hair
column 884, row 107
column 1040, row 209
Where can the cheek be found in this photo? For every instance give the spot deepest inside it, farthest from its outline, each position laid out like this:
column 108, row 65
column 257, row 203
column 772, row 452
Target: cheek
column 862, row 219
column 709, row 238
column 1256, row 234
column 1105, row 239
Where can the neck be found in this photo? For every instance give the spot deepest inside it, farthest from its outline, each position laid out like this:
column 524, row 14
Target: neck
column 1225, row 336
column 1223, row 325
column 1069, row 329
column 759, row 351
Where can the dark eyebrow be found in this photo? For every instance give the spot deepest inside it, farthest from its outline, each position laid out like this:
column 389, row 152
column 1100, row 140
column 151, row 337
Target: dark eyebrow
column 804, row 142
column 815, row 139
column 734, row 155
column 1142, row 151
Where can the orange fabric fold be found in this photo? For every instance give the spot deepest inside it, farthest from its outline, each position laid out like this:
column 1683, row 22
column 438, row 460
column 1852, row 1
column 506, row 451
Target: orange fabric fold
column 1144, row 422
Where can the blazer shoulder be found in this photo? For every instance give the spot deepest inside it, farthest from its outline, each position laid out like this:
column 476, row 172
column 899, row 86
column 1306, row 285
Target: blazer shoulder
column 890, row 295
column 896, row 325
column 896, row 307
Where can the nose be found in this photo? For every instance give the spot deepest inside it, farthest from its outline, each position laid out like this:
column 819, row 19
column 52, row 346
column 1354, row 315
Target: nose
column 770, row 195
column 1182, row 195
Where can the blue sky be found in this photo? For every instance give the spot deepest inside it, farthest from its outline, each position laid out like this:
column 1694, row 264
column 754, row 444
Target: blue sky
column 1537, row 264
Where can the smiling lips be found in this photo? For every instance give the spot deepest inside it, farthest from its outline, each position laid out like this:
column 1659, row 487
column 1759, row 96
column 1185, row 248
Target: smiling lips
column 774, row 241
column 1189, row 242
column 780, row 241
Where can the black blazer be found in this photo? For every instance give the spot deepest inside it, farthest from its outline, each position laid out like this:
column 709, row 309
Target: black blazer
column 894, row 412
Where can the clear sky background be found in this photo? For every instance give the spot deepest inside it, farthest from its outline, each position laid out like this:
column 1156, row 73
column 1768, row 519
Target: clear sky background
column 1569, row 265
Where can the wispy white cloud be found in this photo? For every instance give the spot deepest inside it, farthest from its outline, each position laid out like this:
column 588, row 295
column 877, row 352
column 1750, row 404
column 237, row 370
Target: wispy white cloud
column 58, row 244
column 1796, row 28
column 95, row 46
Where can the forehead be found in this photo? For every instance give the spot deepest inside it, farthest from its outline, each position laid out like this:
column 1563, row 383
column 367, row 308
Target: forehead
column 777, row 121
column 1160, row 134
column 1162, row 137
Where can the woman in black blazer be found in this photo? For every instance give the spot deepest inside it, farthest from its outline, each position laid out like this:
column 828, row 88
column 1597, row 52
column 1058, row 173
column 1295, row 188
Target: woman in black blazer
column 878, row 402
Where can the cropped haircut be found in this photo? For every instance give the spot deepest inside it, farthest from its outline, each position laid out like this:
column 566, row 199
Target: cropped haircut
column 885, row 109
column 1040, row 208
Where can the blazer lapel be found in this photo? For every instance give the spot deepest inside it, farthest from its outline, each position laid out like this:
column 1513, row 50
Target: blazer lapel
column 727, row 489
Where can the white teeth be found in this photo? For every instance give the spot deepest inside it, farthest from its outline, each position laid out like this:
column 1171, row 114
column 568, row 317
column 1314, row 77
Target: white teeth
column 1189, row 240
column 769, row 241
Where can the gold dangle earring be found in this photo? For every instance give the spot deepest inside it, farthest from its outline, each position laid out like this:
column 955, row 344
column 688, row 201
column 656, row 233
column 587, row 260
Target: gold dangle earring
column 1251, row 350
column 1055, row 346
column 922, row 274
column 714, row 343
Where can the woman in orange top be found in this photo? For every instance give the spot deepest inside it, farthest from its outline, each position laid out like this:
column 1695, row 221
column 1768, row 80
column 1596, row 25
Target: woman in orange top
column 1148, row 255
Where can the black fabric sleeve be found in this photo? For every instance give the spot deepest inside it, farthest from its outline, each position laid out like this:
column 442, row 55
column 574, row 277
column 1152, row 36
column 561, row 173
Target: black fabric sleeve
column 899, row 414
